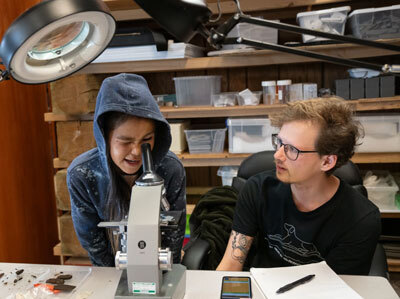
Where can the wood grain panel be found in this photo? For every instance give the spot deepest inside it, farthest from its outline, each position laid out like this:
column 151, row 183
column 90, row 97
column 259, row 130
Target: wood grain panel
column 28, row 225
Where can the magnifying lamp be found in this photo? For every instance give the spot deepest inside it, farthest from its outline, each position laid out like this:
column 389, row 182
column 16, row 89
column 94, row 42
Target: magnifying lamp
column 54, row 39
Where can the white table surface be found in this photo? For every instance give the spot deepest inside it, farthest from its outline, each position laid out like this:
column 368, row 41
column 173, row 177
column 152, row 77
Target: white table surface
column 102, row 283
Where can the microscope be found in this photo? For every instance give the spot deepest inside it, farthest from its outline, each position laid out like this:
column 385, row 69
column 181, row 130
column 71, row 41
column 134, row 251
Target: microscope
column 148, row 271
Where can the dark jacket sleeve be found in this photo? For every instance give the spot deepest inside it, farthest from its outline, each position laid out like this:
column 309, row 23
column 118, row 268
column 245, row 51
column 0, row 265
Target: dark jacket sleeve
column 353, row 253
column 85, row 218
column 176, row 196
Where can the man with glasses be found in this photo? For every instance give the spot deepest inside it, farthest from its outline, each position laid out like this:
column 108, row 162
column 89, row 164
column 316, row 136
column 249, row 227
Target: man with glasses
column 300, row 212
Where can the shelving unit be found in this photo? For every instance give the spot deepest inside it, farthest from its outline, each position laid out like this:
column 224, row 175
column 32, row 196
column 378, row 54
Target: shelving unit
column 232, row 66
column 220, row 159
column 247, row 59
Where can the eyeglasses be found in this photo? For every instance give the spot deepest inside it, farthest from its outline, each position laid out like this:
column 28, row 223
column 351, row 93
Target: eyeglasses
column 291, row 152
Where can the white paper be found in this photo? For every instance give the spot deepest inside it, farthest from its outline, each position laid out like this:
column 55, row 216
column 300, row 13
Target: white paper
column 326, row 283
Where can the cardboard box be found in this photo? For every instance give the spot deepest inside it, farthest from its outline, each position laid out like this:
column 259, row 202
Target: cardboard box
column 74, row 138
column 75, row 94
column 69, row 241
column 62, row 195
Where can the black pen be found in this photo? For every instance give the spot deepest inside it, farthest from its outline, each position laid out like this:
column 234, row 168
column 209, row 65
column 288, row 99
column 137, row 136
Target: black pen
column 294, row 284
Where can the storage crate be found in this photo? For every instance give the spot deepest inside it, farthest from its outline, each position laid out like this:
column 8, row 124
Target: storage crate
column 196, row 90
column 250, row 135
column 205, row 141
column 381, row 133
column 375, row 23
column 381, row 188
column 331, row 20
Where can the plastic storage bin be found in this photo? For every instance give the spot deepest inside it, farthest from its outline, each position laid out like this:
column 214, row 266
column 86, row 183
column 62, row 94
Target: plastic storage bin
column 254, row 32
column 250, row 135
column 249, row 98
column 375, row 23
column 205, row 141
column 227, row 173
column 196, row 90
column 381, row 133
column 331, row 20
column 224, row 99
column 382, row 189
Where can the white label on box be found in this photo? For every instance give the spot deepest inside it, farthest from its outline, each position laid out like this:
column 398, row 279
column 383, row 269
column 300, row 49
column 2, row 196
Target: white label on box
column 144, row 288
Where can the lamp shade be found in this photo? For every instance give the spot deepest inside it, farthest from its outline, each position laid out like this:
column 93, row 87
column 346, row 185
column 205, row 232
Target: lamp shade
column 181, row 18
column 56, row 38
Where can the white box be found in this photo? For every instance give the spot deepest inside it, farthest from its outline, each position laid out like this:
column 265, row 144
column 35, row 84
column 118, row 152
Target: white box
column 375, row 23
column 227, row 173
column 331, row 20
column 381, row 188
column 250, row 135
column 178, row 144
column 381, row 133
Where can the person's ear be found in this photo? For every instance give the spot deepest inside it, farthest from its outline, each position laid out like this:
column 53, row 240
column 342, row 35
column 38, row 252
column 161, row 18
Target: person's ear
column 328, row 162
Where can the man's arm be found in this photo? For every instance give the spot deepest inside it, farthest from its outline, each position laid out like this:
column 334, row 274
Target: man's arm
column 236, row 252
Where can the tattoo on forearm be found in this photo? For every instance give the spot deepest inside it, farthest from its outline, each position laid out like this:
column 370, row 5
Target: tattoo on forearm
column 239, row 247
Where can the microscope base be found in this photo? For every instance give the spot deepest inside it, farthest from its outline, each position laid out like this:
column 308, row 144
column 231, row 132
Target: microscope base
column 173, row 287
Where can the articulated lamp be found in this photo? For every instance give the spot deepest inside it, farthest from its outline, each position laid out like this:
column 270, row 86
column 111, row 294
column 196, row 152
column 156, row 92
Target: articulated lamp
column 56, row 38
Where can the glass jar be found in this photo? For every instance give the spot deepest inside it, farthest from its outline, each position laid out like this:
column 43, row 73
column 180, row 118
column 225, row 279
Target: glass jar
column 269, row 92
column 283, row 87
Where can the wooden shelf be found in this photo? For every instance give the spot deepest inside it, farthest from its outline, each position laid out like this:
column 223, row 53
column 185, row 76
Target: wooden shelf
column 128, row 10
column 226, row 159
column 256, row 58
column 391, row 103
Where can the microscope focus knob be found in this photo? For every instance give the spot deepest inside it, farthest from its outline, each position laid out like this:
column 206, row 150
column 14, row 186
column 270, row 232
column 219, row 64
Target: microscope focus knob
column 121, row 260
column 165, row 259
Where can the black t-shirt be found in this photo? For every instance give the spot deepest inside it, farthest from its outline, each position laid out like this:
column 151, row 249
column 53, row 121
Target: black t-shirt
column 344, row 231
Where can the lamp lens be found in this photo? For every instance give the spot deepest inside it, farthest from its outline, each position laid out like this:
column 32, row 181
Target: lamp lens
column 60, row 41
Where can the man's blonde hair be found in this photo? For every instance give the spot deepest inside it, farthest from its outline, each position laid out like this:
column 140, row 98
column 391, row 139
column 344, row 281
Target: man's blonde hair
column 339, row 131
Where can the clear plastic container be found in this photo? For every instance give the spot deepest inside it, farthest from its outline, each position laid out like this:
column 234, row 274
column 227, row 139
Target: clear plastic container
column 331, row 20
column 381, row 188
column 382, row 133
column 269, row 92
column 375, row 23
column 196, row 90
column 254, row 32
column 250, row 135
column 205, row 141
column 283, row 87
column 224, row 99
column 249, row 98
column 227, row 173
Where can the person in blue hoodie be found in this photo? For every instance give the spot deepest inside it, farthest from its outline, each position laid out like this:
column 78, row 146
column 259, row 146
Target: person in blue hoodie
column 100, row 180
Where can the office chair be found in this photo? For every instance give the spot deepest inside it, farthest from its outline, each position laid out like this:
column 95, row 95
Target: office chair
column 197, row 252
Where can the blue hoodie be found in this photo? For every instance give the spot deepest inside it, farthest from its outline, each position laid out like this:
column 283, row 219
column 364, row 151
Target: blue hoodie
column 88, row 176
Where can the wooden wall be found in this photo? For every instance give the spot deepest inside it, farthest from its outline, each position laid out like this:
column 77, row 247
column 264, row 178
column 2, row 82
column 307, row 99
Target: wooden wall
column 28, row 227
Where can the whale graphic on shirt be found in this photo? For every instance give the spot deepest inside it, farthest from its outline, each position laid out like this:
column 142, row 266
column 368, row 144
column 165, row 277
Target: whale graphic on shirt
column 292, row 249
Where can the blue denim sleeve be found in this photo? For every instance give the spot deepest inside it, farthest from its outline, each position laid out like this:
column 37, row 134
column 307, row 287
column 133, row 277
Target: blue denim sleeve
column 85, row 218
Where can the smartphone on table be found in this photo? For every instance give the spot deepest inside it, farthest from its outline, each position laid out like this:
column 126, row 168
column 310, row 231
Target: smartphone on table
column 234, row 287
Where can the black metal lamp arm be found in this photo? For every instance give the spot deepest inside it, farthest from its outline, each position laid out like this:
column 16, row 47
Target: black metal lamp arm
column 218, row 37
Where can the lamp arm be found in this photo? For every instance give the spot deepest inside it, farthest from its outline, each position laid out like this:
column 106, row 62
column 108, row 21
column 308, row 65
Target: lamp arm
column 218, row 37
column 4, row 74
column 348, row 62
